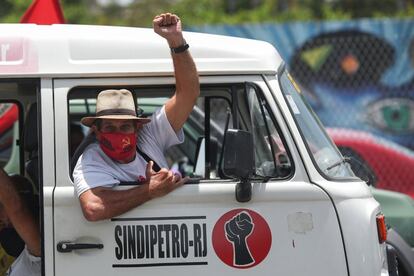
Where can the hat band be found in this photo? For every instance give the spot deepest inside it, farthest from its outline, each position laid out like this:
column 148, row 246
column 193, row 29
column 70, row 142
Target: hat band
column 117, row 111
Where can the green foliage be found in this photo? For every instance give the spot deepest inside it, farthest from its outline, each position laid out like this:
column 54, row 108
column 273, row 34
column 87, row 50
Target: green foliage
column 12, row 10
column 368, row 8
column 407, row 12
column 141, row 13
column 330, row 13
column 199, row 12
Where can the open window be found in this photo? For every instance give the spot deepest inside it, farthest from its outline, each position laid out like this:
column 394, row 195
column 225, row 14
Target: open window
column 10, row 243
column 16, row 96
column 219, row 107
column 9, row 137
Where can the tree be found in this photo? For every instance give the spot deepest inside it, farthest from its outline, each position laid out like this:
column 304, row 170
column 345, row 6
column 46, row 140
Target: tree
column 12, row 10
column 80, row 11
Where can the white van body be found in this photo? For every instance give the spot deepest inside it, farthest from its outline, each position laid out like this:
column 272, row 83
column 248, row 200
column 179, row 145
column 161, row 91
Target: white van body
column 311, row 224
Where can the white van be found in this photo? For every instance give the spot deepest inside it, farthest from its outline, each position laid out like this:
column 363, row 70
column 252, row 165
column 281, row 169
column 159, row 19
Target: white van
column 270, row 194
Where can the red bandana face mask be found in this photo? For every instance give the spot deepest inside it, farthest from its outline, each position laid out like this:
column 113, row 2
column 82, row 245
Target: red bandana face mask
column 118, row 146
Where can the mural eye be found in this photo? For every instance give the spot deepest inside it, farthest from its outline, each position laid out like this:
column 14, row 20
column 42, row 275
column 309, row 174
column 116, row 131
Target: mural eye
column 344, row 58
column 395, row 115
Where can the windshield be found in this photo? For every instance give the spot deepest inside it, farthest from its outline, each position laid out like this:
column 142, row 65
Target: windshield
column 326, row 156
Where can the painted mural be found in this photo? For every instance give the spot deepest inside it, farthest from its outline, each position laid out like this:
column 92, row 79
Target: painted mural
column 356, row 74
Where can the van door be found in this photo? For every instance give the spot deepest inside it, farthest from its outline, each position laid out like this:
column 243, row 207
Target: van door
column 289, row 227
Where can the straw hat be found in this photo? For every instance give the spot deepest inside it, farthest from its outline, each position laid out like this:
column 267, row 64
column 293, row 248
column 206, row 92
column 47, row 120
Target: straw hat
column 115, row 104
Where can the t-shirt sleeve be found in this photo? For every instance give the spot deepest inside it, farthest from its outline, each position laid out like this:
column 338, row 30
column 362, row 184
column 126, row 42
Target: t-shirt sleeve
column 26, row 264
column 32, row 259
column 160, row 131
column 91, row 171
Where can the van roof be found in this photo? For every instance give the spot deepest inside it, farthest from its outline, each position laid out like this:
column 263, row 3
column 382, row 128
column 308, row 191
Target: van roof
column 70, row 50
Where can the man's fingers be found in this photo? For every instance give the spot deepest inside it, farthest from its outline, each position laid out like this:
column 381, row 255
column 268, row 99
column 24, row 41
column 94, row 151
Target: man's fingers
column 181, row 182
column 163, row 171
column 157, row 20
column 169, row 176
column 176, row 172
column 161, row 19
column 167, row 19
column 161, row 175
column 148, row 170
column 174, row 19
column 176, row 178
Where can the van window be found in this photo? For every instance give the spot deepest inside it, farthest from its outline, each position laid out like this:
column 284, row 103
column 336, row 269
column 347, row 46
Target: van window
column 271, row 158
column 217, row 109
column 9, row 135
column 16, row 96
column 324, row 153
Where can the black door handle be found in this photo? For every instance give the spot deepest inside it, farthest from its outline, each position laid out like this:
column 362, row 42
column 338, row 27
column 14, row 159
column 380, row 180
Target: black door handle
column 67, row 246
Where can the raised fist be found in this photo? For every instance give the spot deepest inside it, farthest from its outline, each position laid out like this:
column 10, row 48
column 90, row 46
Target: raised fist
column 168, row 25
column 237, row 230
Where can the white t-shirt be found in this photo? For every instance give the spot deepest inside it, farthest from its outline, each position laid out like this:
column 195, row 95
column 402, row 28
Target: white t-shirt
column 95, row 169
column 25, row 265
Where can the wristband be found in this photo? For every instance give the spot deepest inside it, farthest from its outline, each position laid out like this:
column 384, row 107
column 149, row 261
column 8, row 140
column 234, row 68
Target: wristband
column 176, row 173
column 180, row 49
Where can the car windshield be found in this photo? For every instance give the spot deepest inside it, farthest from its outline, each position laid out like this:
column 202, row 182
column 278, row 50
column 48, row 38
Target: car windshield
column 326, row 156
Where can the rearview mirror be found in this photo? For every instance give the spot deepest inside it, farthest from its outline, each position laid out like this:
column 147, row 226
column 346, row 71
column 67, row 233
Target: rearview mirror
column 238, row 154
column 239, row 161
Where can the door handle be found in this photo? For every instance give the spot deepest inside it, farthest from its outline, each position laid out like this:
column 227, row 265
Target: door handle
column 68, row 246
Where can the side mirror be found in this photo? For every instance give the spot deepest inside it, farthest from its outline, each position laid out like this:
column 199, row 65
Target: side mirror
column 239, row 161
column 360, row 168
column 362, row 171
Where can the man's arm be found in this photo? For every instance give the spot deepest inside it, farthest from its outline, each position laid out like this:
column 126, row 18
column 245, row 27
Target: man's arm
column 105, row 203
column 19, row 215
column 179, row 107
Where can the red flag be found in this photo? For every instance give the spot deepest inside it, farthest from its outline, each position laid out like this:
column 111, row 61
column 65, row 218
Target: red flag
column 44, row 12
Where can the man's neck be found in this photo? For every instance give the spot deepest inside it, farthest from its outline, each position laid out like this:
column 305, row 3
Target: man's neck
column 126, row 161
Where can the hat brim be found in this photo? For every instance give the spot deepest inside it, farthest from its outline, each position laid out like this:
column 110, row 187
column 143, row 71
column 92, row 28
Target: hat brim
column 88, row 121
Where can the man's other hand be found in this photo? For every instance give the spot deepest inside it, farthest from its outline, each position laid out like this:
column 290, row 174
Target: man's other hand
column 162, row 182
column 168, row 25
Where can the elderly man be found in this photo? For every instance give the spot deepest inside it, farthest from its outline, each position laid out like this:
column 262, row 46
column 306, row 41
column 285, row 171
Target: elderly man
column 119, row 132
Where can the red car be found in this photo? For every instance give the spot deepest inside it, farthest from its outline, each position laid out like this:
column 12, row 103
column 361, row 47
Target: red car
column 392, row 165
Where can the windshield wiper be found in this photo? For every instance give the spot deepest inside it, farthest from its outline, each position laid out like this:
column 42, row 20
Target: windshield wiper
column 343, row 160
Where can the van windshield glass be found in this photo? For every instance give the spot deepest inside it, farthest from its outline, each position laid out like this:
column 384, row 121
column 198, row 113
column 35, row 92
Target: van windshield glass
column 324, row 153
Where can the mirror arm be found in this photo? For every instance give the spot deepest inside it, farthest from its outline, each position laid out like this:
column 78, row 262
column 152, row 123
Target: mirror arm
column 244, row 190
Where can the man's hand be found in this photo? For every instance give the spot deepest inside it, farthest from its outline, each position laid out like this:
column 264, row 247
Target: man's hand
column 162, row 182
column 168, row 26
